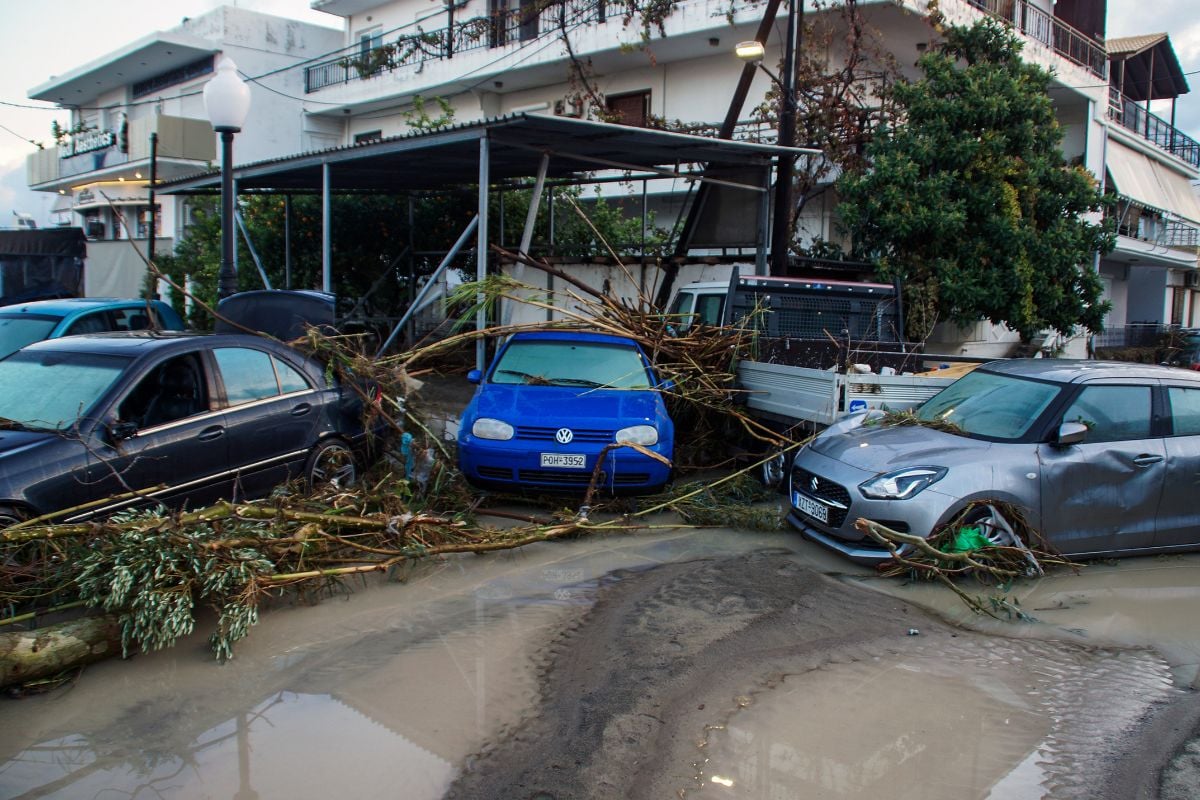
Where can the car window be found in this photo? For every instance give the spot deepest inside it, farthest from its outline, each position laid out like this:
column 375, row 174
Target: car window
column 986, row 404
column 173, row 390
column 96, row 322
column 1112, row 413
column 68, row 385
column 1185, row 410
column 564, row 363
column 290, row 379
column 18, row 330
column 247, row 374
column 131, row 319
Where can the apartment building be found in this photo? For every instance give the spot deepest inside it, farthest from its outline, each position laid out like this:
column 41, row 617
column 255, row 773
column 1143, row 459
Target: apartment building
column 101, row 168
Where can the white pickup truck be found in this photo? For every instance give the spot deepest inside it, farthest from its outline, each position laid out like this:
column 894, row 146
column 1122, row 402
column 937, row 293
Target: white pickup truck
column 827, row 348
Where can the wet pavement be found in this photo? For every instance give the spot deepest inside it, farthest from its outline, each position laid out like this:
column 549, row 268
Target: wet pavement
column 688, row 663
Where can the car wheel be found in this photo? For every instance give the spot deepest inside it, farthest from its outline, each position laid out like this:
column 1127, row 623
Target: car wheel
column 9, row 516
column 331, row 462
column 772, row 471
column 992, row 526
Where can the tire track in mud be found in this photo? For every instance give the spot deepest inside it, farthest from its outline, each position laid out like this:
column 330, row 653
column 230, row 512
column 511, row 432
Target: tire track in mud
column 665, row 654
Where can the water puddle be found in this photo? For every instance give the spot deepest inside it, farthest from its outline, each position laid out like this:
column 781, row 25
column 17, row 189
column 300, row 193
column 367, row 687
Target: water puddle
column 1001, row 720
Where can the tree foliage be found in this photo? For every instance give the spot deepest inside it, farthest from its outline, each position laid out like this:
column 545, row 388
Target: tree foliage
column 969, row 200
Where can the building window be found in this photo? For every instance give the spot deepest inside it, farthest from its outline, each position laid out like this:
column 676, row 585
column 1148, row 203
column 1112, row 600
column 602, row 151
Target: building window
column 369, row 40
column 530, row 11
column 629, row 109
column 1178, row 302
column 369, row 136
column 498, row 11
column 143, row 221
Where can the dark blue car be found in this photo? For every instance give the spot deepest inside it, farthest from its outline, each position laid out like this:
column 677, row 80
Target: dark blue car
column 553, row 402
column 182, row 419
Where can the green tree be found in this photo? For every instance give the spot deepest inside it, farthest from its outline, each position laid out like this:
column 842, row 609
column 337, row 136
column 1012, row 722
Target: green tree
column 969, row 200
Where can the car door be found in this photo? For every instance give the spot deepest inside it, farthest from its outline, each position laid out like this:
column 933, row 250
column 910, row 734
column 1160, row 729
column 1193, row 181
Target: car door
column 175, row 450
column 1103, row 493
column 274, row 417
column 1179, row 510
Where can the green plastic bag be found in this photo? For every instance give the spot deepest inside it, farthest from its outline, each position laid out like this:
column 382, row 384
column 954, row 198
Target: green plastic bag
column 968, row 539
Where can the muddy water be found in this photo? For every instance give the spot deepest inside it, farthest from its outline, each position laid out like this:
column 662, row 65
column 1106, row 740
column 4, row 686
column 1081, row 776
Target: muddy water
column 385, row 692
column 722, row 676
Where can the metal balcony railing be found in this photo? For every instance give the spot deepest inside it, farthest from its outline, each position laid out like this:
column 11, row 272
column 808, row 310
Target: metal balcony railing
column 1037, row 24
column 1151, row 127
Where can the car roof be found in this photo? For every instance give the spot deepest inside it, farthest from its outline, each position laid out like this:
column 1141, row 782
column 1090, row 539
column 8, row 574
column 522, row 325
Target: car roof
column 134, row 344
column 1066, row 370
column 72, row 305
column 568, row 335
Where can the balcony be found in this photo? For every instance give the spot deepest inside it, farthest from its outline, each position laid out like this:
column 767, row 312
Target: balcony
column 412, row 50
column 1041, row 26
column 1136, row 118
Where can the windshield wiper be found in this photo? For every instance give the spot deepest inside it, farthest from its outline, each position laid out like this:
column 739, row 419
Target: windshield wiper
column 525, row 376
column 576, row 382
column 7, row 424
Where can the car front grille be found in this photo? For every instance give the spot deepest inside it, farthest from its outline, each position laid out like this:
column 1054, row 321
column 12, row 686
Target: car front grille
column 823, row 489
column 559, row 477
column 540, row 434
column 499, row 473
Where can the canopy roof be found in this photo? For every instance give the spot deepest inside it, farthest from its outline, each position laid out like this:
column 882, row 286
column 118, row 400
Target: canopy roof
column 516, row 144
column 1148, row 67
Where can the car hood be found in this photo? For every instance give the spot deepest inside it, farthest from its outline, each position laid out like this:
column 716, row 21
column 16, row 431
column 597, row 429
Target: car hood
column 13, row 442
column 562, row 405
column 874, row 449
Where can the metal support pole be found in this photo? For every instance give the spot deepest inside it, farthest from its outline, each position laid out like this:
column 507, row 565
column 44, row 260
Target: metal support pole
column 535, row 200
column 227, row 274
column 415, row 305
column 326, row 233
column 262, row 273
column 481, row 248
column 764, row 222
column 287, row 241
column 781, row 221
column 153, row 220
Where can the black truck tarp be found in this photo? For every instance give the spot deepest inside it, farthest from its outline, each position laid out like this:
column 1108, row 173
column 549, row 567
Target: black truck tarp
column 41, row 264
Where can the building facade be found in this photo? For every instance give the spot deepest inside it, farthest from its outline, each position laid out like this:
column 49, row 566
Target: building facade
column 100, row 167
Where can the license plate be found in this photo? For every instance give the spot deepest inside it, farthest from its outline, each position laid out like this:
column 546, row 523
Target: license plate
column 564, row 461
column 811, row 507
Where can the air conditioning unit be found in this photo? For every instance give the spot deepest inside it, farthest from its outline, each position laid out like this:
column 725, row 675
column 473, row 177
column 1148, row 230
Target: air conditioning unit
column 1191, row 279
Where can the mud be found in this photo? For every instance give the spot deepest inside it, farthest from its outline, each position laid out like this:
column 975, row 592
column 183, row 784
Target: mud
column 680, row 664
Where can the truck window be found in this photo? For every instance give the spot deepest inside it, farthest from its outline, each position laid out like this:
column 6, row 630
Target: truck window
column 709, row 308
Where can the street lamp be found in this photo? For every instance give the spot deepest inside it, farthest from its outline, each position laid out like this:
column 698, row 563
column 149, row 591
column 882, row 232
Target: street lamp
column 753, row 52
column 226, row 101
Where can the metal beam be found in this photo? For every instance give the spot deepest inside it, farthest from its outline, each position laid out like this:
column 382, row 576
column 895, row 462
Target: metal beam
column 481, row 248
column 326, row 233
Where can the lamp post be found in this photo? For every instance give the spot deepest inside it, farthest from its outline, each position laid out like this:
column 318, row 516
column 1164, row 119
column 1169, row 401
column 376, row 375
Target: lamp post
column 226, row 101
column 753, row 52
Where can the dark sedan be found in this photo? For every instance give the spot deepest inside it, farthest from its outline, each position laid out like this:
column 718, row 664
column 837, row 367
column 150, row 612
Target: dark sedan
column 182, row 419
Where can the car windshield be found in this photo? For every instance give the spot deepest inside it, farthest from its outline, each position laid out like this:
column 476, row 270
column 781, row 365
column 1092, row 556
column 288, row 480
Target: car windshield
column 51, row 390
column 986, row 404
column 18, row 330
column 562, row 363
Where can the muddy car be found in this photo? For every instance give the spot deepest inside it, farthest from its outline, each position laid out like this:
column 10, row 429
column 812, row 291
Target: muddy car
column 1100, row 457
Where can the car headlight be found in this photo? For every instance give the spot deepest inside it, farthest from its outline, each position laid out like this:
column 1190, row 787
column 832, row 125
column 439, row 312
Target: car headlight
column 645, row 435
column 488, row 428
column 902, row 483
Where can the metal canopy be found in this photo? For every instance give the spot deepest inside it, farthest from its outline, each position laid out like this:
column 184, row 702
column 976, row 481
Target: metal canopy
column 516, row 145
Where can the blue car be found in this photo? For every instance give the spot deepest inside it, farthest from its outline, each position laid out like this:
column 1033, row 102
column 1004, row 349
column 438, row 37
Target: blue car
column 553, row 402
column 26, row 323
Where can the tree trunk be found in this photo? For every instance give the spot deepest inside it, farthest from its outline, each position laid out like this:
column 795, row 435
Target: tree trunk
column 30, row 655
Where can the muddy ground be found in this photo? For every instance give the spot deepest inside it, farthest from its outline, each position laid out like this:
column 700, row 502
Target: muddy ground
column 665, row 665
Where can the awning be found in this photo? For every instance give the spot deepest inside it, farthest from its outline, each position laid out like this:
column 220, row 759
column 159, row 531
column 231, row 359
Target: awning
column 1146, row 181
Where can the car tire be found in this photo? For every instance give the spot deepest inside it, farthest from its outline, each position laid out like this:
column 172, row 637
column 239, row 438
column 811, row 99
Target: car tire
column 331, row 463
column 10, row 516
column 992, row 525
column 773, row 471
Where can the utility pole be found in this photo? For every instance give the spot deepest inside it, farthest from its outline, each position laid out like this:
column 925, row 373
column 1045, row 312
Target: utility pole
column 780, row 222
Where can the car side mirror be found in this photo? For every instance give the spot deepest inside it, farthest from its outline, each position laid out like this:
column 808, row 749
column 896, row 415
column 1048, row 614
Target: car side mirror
column 667, row 386
column 474, row 376
column 1070, row 433
column 120, row 431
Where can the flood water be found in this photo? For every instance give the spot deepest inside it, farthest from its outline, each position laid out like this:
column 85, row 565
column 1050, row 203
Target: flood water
column 391, row 689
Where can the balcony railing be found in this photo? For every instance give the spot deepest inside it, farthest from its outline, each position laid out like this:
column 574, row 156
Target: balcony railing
column 1048, row 29
column 410, row 50
column 1154, row 128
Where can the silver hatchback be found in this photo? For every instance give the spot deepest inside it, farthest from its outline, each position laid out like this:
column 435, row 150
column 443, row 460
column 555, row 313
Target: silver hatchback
column 1103, row 458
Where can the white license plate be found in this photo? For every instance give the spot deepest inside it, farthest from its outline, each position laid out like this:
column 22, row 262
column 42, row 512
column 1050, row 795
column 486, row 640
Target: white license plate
column 810, row 507
column 564, row 461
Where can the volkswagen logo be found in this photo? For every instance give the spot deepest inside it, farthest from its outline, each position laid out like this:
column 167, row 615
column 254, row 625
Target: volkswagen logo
column 564, row 436
column 815, row 483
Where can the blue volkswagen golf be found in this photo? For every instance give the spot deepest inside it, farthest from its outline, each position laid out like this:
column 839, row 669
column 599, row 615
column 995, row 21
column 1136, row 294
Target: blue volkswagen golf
column 555, row 402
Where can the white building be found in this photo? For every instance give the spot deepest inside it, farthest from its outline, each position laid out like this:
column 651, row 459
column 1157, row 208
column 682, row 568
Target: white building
column 153, row 86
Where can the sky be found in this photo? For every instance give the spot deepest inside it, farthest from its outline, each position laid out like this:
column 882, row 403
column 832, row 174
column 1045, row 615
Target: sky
column 38, row 41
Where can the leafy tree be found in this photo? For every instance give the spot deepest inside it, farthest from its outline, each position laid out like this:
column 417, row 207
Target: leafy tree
column 969, row 200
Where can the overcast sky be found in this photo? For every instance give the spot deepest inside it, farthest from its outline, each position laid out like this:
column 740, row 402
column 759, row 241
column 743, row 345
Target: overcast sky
column 38, row 40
